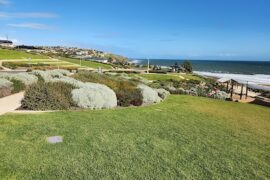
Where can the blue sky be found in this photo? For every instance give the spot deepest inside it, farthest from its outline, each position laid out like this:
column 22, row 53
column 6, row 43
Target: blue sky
column 179, row 29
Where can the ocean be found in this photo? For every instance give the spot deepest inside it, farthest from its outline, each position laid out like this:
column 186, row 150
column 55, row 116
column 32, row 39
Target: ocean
column 233, row 67
column 257, row 72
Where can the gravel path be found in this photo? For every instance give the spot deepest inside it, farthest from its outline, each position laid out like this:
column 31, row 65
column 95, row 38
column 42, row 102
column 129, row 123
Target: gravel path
column 10, row 103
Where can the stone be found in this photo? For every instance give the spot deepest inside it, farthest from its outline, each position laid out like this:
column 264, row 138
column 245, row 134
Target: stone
column 55, row 139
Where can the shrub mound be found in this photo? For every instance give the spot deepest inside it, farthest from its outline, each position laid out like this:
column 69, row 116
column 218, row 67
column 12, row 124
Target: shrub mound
column 5, row 91
column 17, row 86
column 55, row 90
column 5, row 83
column 150, row 96
column 208, row 88
column 5, row 87
column 162, row 93
column 48, row 96
column 94, row 96
column 48, row 76
column 25, row 78
column 84, row 95
column 126, row 91
column 8, row 87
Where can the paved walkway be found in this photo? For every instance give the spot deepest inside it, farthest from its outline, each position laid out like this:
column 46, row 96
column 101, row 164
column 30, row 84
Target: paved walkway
column 10, row 103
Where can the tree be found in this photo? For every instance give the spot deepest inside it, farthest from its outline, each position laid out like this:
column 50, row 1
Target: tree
column 188, row 66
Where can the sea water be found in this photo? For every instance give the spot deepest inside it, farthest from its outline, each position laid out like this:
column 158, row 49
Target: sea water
column 254, row 72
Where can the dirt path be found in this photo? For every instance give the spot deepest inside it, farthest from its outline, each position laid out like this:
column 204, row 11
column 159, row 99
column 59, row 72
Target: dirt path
column 10, row 103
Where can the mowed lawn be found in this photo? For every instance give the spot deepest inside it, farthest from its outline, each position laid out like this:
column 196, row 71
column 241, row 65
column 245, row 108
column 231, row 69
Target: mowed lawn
column 6, row 54
column 90, row 64
column 173, row 76
column 183, row 137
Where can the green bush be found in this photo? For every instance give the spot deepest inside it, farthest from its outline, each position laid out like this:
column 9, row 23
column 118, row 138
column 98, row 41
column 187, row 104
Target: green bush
column 188, row 66
column 18, row 86
column 126, row 98
column 125, row 90
column 15, row 65
column 48, row 96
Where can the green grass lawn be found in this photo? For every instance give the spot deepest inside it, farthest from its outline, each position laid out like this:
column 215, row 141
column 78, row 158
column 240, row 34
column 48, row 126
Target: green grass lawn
column 191, row 77
column 164, row 77
column 16, row 54
column 183, row 137
column 38, row 62
column 155, row 77
column 90, row 64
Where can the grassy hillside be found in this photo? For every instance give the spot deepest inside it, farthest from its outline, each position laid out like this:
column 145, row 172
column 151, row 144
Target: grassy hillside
column 90, row 64
column 15, row 54
column 183, row 137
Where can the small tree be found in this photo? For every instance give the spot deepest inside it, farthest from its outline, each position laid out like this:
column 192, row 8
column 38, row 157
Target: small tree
column 188, row 66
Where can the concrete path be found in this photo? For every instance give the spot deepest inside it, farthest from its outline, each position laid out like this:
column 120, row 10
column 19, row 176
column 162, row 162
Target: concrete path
column 10, row 103
column 4, row 68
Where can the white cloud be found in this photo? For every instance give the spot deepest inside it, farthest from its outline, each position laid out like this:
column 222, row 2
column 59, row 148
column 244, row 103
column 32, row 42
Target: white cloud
column 28, row 15
column 31, row 26
column 4, row 2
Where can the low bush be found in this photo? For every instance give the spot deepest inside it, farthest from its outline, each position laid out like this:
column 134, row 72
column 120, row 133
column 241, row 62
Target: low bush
column 126, row 98
column 5, row 83
column 126, row 90
column 47, row 76
column 162, row 93
column 18, row 86
column 94, row 96
column 15, row 65
column 220, row 95
column 5, row 91
column 150, row 96
column 26, row 78
column 48, row 96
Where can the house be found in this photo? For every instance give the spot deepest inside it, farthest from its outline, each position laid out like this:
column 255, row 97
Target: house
column 6, row 43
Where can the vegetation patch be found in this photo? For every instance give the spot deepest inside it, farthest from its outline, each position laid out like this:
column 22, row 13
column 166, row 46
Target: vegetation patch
column 126, row 91
column 17, row 86
column 48, row 96
column 5, row 87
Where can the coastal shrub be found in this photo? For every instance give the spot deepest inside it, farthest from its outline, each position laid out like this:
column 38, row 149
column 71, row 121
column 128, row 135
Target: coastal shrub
column 15, row 65
column 162, row 93
column 94, row 96
column 69, row 80
column 126, row 98
column 140, row 79
column 5, row 91
column 188, row 66
column 220, row 95
column 125, row 90
column 5, row 83
column 26, row 78
column 150, row 96
column 17, row 86
column 5, row 88
column 47, row 76
column 89, row 95
column 48, row 96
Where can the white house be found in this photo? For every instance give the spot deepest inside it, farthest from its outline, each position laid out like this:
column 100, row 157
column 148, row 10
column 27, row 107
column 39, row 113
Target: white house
column 6, row 43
